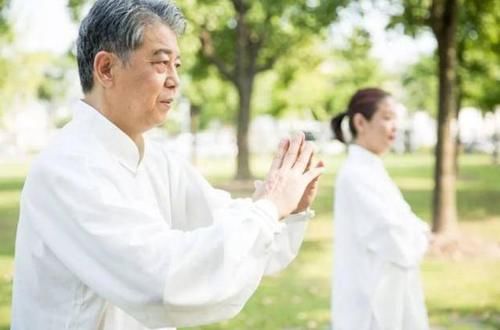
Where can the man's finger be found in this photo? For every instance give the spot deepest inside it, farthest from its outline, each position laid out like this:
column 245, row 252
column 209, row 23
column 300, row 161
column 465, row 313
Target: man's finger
column 293, row 150
column 278, row 158
column 315, row 172
column 304, row 158
column 319, row 164
column 308, row 166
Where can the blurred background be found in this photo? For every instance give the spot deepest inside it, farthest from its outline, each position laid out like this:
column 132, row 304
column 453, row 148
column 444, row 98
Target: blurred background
column 255, row 71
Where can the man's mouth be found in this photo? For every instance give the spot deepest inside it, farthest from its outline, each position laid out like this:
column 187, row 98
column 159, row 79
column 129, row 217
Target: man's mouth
column 167, row 101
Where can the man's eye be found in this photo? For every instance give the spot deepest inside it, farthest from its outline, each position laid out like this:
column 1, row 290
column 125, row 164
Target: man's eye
column 161, row 66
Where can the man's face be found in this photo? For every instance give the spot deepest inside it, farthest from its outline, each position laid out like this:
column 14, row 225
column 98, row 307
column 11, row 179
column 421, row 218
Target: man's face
column 145, row 86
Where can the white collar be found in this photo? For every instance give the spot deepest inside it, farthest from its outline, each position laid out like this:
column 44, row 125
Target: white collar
column 364, row 155
column 119, row 144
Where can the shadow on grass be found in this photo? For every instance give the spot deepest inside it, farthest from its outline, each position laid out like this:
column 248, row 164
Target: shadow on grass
column 8, row 225
column 5, row 292
column 472, row 205
column 9, row 212
column 5, row 300
column 474, row 317
column 313, row 246
column 478, row 204
column 14, row 183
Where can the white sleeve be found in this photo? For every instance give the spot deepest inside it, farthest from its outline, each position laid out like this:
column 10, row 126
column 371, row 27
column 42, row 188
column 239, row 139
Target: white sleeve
column 385, row 227
column 161, row 277
column 288, row 238
column 288, row 241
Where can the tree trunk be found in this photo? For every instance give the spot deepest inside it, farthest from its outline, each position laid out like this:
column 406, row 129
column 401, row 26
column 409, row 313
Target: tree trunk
column 244, row 78
column 444, row 201
column 458, row 141
column 247, row 47
column 243, row 161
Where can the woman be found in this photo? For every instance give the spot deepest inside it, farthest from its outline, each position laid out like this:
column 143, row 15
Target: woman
column 379, row 241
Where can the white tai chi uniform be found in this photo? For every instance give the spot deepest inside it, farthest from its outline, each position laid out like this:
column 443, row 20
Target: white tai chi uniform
column 379, row 243
column 107, row 240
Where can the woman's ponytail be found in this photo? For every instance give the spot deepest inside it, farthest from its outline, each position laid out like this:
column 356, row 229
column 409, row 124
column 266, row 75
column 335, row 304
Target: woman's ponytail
column 336, row 125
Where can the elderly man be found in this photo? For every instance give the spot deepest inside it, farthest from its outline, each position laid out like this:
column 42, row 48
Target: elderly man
column 115, row 232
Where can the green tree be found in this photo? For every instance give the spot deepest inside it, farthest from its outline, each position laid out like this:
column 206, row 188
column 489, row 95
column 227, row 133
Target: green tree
column 242, row 39
column 442, row 17
column 478, row 58
column 479, row 54
column 204, row 87
column 296, row 86
column 354, row 68
column 28, row 75
column 325, row 86
column 37, row 75
column 5, row 38
column 420, row 83
column 4, row 27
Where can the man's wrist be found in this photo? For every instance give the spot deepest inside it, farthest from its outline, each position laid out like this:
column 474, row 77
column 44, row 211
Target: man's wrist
column 305, row 215
column 270, row 207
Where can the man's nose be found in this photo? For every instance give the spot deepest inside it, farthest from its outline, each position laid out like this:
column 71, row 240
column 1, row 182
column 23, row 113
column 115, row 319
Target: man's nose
column 172, row 79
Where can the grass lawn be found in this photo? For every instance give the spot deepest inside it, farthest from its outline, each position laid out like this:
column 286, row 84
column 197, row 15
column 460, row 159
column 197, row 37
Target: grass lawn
column 461, row 293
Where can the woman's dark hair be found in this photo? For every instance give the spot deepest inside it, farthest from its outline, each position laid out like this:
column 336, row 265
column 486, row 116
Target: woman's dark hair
column 365, row 102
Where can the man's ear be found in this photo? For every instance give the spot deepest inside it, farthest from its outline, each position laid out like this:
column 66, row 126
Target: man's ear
column 359, row 122
column 103, row 68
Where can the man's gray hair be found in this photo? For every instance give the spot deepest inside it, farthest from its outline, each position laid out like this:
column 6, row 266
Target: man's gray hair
column 117, row 26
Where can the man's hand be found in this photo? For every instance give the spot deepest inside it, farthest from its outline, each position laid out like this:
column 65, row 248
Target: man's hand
column 290, row 184
column 311, row 189
column 310, row 193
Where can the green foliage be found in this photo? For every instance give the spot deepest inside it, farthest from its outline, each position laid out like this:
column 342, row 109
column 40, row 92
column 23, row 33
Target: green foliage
column 278, row 27
column 324, row 79
column 479, row 54
column 413, row 16
column 215, row 99
column 29, row 76
column 53, row 86
column 478, row 49
column 5, row 38
column 297, row 85
column 4, row 26
column 354, row 68
column 23, row 76
column 75, row 8
column 421, row 85
column 321, row 80
column 280, row 35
